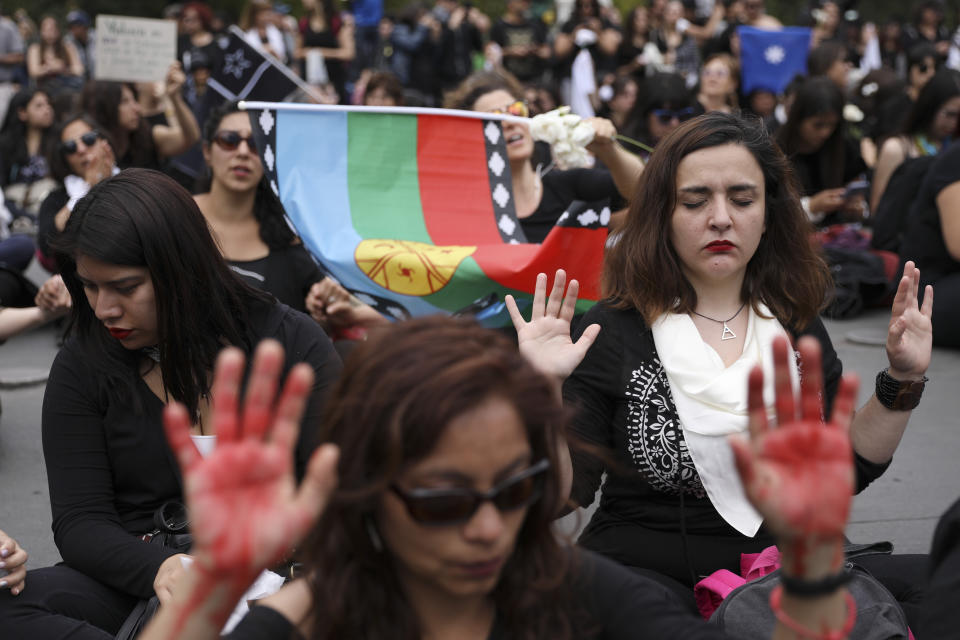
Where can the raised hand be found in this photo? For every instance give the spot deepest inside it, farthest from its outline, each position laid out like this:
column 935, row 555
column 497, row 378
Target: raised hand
column 545, row 340
column 799, row 476
column 910, row 335
column 245, row 509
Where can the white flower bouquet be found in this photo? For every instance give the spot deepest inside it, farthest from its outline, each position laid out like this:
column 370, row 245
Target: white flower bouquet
column 566, row 133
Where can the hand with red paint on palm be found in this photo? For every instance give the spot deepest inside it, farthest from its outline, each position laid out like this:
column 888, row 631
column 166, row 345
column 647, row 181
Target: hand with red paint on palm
column 245, row 509
column 545, row 340
column 910, row 334
column 799, row 476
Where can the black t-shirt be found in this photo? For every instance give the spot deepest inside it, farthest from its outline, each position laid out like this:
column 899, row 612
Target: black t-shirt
column 109, row 466
column 618, row 605
column 528, row 32
column 286, row 273
column 923, row 242
column 46, row 225
column 808, row 168
column 560, row 188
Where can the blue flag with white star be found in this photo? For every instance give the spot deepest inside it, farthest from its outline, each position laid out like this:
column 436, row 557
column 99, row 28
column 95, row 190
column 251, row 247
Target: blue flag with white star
column 771, row 59
column 248, row 74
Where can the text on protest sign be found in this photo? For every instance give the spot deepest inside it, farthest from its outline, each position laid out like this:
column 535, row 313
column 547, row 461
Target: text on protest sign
column 134, row 49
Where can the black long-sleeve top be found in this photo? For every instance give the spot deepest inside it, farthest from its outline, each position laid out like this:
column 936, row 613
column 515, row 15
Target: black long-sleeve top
column 109, row 467
column 624, row 406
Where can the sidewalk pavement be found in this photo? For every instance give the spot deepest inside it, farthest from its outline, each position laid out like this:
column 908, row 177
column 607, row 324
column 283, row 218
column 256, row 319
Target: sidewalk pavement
column 903, row 506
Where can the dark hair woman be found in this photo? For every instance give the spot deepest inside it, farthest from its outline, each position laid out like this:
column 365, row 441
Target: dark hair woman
column 663, row 103
column 153, row 305
column 542, row 193
column 80, row 155
column 929, row 127
column 53, row 63
column 442, row 523
column 329, row 33
column 823, row 157
column 713, row 266
column 251, row 229
column 137, row 143
column 23, row 138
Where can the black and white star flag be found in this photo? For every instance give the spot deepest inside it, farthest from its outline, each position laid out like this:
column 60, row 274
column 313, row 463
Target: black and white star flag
column 248, row 74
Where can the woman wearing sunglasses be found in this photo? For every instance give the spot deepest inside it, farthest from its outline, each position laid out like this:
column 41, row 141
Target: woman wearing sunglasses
column 250, row 227
column 664, row 102
column 435, row 498
column 80, row 156
column 712, row 269
column 153, row 305
column 542, row 193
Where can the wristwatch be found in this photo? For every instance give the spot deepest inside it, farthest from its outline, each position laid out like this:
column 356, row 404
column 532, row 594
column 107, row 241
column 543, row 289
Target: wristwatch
column 899, row 395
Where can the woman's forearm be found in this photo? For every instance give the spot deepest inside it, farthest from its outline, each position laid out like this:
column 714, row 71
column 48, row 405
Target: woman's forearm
column 14, row 321
column 200, row 607
column 624, row 167
column 876, row 431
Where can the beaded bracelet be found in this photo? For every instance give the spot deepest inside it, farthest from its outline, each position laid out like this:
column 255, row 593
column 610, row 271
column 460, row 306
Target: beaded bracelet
column 776, row 596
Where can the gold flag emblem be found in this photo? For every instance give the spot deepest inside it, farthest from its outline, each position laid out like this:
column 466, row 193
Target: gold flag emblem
column 409, row 268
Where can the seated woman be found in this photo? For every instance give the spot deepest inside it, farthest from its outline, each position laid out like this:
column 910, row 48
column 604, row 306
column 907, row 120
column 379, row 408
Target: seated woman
column 137, row 143
column 80, row 156
column 450, row 475
column 713, row 265
column 542, row 194
column 53, row 63
column 154, row 303
column 24, row 174
column 824, row 159
column 252, row 232
column 927, row 130
column 932, row 238
column 50, row 302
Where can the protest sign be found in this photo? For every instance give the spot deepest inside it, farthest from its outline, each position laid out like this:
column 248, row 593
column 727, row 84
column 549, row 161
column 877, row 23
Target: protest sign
column 134, row 49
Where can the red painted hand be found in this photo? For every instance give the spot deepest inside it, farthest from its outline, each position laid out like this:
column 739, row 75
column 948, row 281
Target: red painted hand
column 245, row 509
column 799, row 475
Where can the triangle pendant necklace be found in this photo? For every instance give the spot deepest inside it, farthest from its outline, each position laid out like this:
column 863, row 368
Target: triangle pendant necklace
column 727, row 333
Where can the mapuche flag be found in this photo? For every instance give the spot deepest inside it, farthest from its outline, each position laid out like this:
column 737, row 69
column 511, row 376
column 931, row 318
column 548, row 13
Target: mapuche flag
column 247, row 74
column 412, row 210
column 770, row 59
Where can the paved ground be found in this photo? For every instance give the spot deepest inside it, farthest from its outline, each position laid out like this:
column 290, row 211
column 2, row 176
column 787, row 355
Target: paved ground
column 902, row 506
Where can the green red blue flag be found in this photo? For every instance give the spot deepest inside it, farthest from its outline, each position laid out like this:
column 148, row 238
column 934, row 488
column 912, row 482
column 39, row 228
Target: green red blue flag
column 413, row 211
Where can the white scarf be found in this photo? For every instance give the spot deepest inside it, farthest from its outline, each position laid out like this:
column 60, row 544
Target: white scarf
column 77, row 187
column 711, row 402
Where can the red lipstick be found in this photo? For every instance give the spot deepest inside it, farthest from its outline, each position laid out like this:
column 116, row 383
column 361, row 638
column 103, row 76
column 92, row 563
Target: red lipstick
column 481, row 570
column 720, row 246
column 119, row 334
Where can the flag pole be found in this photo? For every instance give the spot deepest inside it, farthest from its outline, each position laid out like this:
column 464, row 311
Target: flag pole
column 430, row 111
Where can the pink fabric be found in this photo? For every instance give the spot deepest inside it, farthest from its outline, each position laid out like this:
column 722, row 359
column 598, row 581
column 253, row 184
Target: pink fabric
column 711, row 591
column 757, row 565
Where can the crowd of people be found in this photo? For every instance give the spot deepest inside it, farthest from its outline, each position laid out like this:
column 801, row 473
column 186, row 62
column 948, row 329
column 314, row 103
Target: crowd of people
column 409, row 475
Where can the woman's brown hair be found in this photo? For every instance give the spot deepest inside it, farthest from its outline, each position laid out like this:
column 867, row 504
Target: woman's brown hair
column 642, row 270
column 398, row 392
column 481, row 83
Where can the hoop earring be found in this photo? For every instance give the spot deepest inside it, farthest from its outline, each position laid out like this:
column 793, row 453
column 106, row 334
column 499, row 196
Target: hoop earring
column 373, row 534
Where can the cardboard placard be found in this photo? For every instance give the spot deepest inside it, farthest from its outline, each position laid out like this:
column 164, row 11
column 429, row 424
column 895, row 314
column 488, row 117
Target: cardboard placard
column 134, row 49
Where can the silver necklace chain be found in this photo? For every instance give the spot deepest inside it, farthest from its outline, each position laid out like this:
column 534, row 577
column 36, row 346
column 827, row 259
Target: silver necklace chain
column 727, row 333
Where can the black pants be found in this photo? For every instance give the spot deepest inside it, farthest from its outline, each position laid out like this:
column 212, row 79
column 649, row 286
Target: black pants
column 60, row 603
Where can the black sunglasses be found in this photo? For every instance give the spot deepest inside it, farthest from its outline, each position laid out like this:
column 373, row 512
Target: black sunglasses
column 444, row 507
column 666, row 115
column 230, row 140
column 88, row 139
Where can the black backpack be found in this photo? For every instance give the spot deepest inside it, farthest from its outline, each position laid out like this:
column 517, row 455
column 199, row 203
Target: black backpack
column 893, row 211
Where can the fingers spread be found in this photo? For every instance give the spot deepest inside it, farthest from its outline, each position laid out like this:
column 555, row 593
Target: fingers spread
column 570, row 301
column 515, row 316
column 556, row 293
column 292, row 403
column 539, row 296
column 811, row 379
column 225, row 392
column 176, row 422
column 786, row 408
column 756, row 410
column 927, row 308
column 843, row 405
column 262, row 389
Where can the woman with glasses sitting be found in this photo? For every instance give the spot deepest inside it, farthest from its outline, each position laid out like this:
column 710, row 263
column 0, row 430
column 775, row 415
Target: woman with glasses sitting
column 542, row 193
column 445, row 443
column 80, row 156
